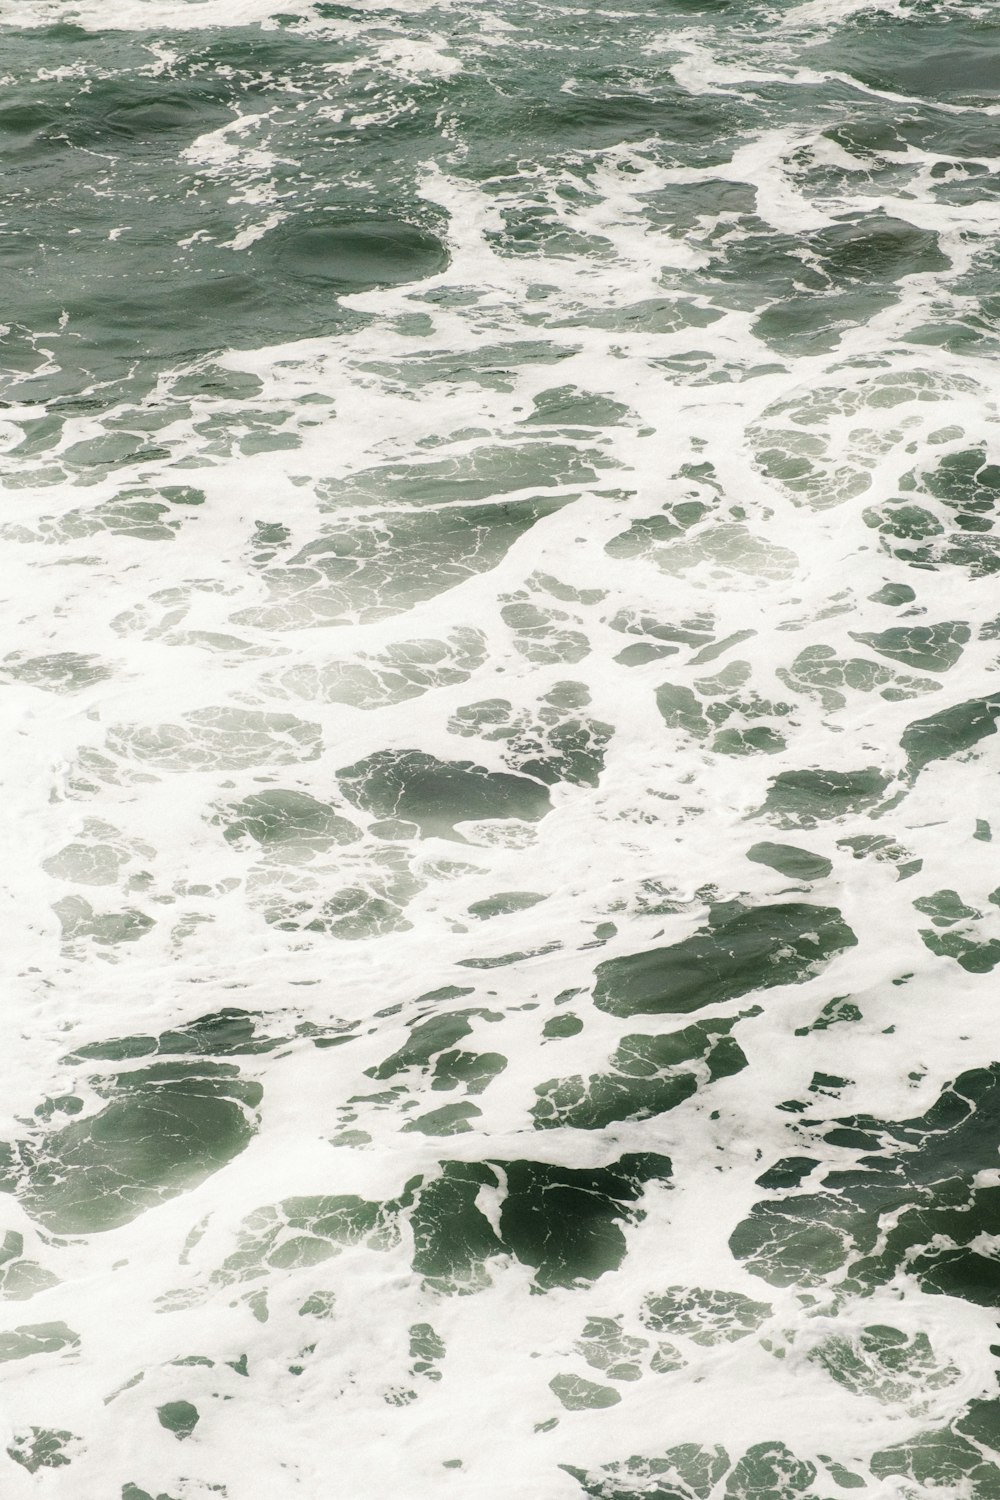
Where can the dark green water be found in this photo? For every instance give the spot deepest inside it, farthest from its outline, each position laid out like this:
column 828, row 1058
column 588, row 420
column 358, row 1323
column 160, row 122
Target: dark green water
column 499, row 551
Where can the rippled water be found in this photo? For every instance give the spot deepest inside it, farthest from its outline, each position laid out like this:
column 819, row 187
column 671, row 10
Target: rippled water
column 499, row 553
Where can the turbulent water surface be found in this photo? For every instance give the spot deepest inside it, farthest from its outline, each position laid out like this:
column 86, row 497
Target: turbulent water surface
column 500, row 553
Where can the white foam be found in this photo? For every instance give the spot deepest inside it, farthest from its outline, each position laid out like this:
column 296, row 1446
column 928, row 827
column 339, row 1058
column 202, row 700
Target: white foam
column 442, row 370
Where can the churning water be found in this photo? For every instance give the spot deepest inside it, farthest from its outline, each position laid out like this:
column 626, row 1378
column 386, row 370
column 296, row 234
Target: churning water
column 500, row 564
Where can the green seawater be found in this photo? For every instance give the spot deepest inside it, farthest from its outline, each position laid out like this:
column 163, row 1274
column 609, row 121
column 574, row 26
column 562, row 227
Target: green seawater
column 499, row 538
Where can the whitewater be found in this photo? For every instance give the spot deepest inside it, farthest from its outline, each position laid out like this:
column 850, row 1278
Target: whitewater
column 500, row 671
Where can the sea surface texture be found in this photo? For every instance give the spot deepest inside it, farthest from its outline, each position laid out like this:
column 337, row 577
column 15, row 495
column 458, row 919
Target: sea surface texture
column 501, row 667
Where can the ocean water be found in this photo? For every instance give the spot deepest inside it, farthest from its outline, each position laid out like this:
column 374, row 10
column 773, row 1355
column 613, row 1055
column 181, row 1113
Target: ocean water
column 499, row 560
